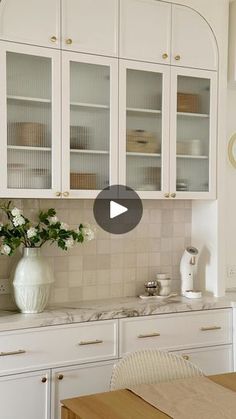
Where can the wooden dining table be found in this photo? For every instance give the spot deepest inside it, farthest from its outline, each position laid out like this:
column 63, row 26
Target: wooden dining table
column 123, row 404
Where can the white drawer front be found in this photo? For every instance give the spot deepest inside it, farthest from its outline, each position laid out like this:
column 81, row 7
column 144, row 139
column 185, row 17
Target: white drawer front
column 185, row 330
column 213, row 360
column 58, row 345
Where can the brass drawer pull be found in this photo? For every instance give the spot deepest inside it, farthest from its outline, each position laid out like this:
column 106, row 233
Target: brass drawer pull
column 60, row 377
column 186, row 357
column 205, row 329
column 90, row 342
column 20, row 351
column 44, row 379
column 149, row 335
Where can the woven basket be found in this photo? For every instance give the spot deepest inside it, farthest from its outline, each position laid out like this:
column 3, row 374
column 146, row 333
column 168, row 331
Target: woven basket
column 31, row 134
column 187, row 102
column 139, row 141
column 83, row 181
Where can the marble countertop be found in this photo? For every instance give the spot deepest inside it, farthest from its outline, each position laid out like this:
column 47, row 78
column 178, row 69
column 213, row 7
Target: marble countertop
column 109, row 309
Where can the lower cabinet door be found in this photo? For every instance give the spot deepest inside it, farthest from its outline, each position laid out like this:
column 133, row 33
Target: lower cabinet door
column 25, row 396
column 78, row 381
column 214, row 360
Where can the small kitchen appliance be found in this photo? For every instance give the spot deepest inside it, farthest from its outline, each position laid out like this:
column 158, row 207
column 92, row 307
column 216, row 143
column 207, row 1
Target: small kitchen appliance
column 188, row 265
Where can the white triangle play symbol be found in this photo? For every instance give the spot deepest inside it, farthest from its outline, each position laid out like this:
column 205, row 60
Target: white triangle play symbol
column 116, row 209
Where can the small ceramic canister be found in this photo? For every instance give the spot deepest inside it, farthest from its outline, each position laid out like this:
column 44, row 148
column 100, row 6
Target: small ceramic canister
column 164, row 284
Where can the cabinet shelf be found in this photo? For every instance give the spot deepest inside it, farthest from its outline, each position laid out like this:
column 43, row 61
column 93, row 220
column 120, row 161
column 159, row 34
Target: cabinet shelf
column 89, row 105
column 188, row 156
column 140, row 110
column 27, row 148
column 193, row 115
column 81, row 151
column 28, row 99
column 133, row 154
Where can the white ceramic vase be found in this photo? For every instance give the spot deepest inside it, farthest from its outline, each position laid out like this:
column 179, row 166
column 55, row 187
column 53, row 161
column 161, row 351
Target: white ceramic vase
column 32, row 281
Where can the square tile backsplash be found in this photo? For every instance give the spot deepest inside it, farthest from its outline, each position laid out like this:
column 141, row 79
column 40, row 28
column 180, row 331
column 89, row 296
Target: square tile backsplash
column 111, row 265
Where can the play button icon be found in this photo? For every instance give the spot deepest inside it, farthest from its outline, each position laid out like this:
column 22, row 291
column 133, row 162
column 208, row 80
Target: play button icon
column 118, row 209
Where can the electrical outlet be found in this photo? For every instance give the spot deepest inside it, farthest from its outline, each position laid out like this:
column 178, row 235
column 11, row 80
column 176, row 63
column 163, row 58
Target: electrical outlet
column 5, row 287
column 231, row 271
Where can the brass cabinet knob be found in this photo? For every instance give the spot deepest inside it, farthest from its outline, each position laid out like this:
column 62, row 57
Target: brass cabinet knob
column 186, row 357
column 58, row 193
column 177, row 57
column 53, row 39
column 167, row 195
column 66, row 194
column 68, row 41
column 44, row 379
column 173, row 195
column 60, row 376
column 165, row 56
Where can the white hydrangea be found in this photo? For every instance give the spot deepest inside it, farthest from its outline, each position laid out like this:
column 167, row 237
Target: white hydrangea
column 64, row 226
column 69, row 243
column 16, row 212
column 53, row 220
column 18, row 220
column 32, row 232
column 1, row 226
column 5, row 249
column 88, row 233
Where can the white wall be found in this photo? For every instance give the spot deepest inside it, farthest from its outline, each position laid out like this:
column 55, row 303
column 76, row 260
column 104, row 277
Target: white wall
column 230, row 211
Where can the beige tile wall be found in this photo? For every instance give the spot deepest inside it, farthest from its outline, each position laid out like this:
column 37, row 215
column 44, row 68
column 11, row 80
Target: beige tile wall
column 112, row 265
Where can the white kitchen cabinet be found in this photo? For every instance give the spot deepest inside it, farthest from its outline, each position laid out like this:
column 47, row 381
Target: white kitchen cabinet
column 193, row 133
column 158, row 162
column 25, row 395
column 144, row 127
column 159, row 32
column 31, row 22
column 90, row 124
column 41, row 366
column 30, row 149
column 60, row 110
column 145, row 30
column 193, row 41
column 216, row 360
column 90, row 26
column 183, row 330
column 49, row 347
column 79, row 381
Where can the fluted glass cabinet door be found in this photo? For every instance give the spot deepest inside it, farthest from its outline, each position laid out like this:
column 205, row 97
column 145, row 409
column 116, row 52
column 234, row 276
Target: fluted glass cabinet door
column 89, row 128
column 144, row 127
column 30, row 142
column 193, row 133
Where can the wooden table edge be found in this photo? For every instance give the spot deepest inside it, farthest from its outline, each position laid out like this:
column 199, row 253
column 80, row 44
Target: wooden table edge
column 227, row 380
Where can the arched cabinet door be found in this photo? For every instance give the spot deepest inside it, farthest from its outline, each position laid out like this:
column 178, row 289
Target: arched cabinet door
column 193, row 41
column 31, row 22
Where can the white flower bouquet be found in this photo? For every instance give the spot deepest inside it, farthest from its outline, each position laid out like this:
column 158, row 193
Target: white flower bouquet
column 20, row 231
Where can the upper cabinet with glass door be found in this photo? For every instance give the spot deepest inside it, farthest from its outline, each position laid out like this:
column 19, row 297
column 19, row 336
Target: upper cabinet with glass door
column 144, row 127
column 90, row 104
column 31, row 22
column 193, row 133
column 159, row 32
column 29, row 115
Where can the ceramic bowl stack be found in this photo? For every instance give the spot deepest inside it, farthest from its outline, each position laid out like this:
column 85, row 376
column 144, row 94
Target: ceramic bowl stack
column 164, row 284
